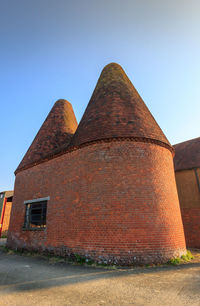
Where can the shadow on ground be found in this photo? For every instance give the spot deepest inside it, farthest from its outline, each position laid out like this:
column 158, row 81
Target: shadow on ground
column 22, row 273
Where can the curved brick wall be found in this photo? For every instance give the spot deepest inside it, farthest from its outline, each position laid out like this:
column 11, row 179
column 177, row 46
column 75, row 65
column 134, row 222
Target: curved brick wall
column 189, row 197
column 114, row 202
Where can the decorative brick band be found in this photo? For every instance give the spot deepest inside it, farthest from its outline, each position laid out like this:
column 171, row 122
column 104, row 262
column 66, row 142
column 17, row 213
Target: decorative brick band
column 105, row 140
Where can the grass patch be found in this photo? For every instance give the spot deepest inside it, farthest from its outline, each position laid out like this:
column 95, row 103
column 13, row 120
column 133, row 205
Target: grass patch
column 83, row 260
column 180, row 260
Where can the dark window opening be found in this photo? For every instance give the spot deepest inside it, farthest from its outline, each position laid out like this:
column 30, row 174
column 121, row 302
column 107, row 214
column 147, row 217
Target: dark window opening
column 9, row 199
column 35, row 215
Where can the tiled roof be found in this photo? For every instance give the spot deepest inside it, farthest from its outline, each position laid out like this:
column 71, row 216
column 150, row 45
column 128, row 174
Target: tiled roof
column 187, row 154
column 53, row 136
column 7, row 193
column 116, row 110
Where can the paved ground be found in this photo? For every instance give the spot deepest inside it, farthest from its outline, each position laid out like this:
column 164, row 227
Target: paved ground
column 34, row 281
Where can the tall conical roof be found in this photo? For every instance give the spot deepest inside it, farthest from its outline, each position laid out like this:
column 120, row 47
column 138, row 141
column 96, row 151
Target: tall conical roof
column 54, row 135
column 116, row 110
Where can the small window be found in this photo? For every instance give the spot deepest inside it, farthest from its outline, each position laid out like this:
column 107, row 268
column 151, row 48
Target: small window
column 35, row 215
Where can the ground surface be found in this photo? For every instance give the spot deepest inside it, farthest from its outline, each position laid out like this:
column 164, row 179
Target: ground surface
column 35, row 281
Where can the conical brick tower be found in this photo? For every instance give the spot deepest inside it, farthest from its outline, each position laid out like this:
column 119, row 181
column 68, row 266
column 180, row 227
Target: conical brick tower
column 54, row 135
column 131, row 196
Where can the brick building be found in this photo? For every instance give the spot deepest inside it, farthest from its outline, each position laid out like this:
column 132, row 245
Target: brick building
column 104, row 189
column 5, row 210
column 187, row 173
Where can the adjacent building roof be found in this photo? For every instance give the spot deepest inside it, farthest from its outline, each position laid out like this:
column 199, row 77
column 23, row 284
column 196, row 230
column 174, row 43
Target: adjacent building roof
column 54, row 135
column 116, row 110
column 187, row 154
column 7, row 194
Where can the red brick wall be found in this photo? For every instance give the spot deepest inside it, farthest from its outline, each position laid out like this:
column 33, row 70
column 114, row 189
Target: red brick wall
column 6, row 219
column 189, row 197
column 113, row 202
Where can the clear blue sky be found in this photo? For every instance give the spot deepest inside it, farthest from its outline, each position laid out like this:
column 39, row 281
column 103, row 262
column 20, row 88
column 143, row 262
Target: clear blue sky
column 51, row 49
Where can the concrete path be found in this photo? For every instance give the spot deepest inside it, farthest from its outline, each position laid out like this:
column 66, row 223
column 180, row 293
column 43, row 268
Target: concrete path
column 34, row 281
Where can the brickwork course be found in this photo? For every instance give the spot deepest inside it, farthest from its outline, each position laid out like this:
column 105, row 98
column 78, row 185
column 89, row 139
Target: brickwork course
column 187, row 173
column 112, row 188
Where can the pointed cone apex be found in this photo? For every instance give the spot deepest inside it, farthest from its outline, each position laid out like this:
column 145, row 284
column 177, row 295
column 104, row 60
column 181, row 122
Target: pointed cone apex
column 116, row 110
column 54, row 135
